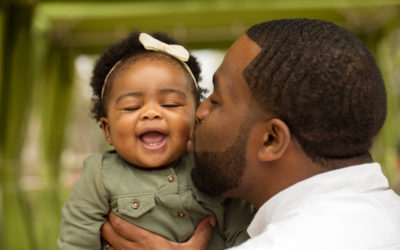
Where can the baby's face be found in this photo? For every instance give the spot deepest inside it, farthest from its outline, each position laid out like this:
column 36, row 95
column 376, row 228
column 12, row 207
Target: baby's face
column 150, row 113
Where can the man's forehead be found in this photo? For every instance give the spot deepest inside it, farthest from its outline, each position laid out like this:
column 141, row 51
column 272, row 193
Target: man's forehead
column 240, row 55
column 237, row 58
column 244, row 50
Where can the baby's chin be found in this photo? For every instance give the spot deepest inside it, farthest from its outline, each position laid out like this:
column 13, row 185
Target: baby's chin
column 156, row 159
column 153, row 165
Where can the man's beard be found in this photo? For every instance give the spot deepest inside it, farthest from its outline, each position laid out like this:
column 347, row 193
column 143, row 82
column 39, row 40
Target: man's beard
column 217, row 172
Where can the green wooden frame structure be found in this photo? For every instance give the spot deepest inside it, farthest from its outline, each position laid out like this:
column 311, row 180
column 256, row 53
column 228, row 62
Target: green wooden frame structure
column 40, row 39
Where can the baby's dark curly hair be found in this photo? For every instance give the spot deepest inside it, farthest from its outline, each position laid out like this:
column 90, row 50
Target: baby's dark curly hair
column 322, row 81
column 124, row 51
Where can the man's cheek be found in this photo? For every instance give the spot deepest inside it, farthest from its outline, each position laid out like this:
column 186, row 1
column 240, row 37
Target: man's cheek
column 203, row 140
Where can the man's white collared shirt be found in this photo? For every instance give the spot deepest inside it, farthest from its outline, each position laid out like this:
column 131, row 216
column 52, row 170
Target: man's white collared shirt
column 350, row 208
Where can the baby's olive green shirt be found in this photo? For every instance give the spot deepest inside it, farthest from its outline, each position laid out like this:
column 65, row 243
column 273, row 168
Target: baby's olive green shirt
column 163, row 201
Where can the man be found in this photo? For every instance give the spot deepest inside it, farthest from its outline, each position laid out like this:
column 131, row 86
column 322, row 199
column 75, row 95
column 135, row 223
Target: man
column 295, row 107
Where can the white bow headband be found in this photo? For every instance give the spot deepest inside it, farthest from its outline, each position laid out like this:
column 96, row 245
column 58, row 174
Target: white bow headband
column 150, row 43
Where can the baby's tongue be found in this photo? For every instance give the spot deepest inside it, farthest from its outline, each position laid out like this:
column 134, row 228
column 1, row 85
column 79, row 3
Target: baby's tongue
column 152, row 138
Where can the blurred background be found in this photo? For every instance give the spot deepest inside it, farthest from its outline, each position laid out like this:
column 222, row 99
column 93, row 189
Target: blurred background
column 47, row 51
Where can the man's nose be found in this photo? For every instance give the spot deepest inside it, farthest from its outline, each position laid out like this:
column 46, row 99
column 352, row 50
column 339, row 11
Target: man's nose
column 203, row 111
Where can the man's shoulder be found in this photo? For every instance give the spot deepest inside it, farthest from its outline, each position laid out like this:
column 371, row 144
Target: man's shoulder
column 345, row 221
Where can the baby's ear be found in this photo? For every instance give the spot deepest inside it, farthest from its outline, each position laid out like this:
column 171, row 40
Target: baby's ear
column 106, row 129
column 276, row 139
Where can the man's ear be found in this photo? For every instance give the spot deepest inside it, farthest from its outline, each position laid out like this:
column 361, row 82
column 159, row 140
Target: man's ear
column 106, row 129
column 276, row 139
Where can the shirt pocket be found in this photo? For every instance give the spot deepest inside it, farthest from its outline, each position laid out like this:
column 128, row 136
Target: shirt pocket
column 135, row 205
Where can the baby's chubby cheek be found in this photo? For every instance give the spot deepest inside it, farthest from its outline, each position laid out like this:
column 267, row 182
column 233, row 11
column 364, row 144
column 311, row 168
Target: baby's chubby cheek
column 190, row 146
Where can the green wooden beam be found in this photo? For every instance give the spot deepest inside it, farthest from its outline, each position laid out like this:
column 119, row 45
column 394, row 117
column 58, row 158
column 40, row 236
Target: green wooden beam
column 96, row 9
column 55, row 105
column 15, row 106
column 93, row 25
column 16, row 77
column 2, row 32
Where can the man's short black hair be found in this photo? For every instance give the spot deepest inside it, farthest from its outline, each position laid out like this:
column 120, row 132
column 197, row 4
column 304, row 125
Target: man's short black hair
column 322, row 81
column 125, row 51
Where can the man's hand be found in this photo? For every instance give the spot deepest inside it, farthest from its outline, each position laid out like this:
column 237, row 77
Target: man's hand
column 122, row 235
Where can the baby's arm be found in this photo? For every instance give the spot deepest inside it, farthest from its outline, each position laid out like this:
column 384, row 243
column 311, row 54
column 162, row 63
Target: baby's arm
column 85, row 210
column 237, row 217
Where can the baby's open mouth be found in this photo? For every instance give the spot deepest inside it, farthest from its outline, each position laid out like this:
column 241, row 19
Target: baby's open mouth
column 153, row 139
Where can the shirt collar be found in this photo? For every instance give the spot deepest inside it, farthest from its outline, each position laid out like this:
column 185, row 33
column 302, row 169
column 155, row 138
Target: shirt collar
column 357, row 178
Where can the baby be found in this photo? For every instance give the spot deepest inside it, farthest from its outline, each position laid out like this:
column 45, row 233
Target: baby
column 145, row 95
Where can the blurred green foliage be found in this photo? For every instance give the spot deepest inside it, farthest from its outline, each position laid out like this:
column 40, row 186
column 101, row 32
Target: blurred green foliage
column 39, row 42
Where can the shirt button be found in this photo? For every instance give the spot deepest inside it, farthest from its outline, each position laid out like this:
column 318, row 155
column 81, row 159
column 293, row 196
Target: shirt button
column 135, row 204
column 171, row 178
column 181, row 214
